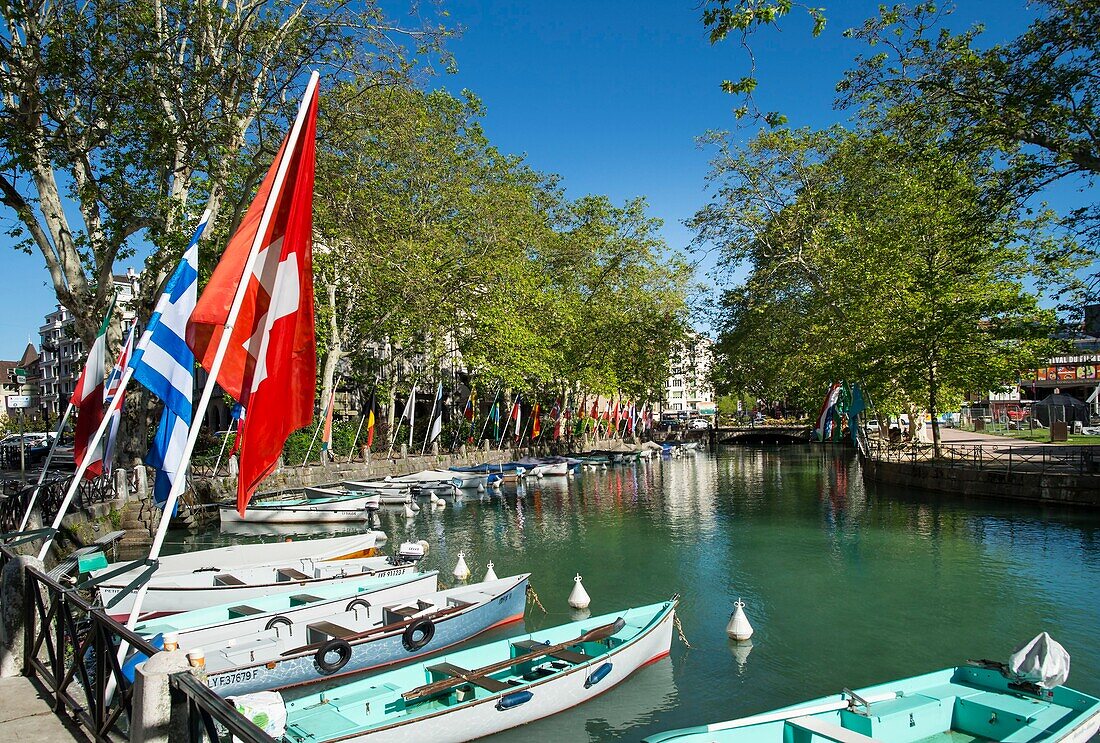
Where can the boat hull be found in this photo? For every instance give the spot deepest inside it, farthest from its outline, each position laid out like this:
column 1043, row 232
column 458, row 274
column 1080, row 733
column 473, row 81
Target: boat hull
column 170, row 599
column 387, row 649
column 971, row 702
column 303, row 514
column 549, row 696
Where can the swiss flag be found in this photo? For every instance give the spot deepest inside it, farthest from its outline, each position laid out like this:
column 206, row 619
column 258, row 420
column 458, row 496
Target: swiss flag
column 271, row 361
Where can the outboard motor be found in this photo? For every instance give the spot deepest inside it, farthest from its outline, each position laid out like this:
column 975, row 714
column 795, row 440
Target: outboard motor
column 411, row 552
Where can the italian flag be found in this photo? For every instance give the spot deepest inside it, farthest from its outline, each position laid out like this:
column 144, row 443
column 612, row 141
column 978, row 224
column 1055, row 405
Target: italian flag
column 87, row 401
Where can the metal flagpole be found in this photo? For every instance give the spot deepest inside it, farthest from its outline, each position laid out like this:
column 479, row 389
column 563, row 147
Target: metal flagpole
column 45, row 467
column 223, row 346
column 488, row 416
column 431, row 422
column 397, row 431
column 324, row 415
column 504, row 431
column 225, row 440
column 354, row 441
column 93, row 444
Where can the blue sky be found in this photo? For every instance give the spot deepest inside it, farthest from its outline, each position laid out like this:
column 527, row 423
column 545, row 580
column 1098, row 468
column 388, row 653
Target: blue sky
column 610, row 96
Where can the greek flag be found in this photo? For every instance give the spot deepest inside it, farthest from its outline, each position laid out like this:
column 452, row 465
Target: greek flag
column 165, row 365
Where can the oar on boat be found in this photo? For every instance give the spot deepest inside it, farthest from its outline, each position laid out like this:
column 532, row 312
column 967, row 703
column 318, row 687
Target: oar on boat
column 594, row 635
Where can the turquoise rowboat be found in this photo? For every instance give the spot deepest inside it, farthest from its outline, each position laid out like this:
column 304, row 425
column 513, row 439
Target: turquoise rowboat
column 978, row 702
column 484, row 690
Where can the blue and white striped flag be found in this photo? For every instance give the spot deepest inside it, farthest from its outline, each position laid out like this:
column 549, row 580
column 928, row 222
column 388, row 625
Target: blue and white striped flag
column 165, row 365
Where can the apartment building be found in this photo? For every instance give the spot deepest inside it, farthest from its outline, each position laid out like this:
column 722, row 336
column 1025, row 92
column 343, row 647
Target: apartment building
column 688, row 388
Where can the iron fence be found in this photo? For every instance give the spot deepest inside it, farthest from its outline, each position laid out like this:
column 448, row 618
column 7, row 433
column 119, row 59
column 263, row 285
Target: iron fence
column 1065, row 460
column 71, row 647
column 50, row 496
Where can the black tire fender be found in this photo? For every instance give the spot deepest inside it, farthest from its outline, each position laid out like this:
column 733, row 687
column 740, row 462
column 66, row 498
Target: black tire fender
column 424, row 627
column 343, row 651
column 276, row 621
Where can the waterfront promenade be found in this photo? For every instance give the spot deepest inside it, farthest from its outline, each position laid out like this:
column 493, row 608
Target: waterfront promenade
column 25, row 714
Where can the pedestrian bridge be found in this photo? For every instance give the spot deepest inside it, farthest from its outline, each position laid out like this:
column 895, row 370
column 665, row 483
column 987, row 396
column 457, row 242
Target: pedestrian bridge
column 762, row 434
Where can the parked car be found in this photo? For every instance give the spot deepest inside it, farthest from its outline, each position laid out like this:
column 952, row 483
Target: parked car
column 699, row 424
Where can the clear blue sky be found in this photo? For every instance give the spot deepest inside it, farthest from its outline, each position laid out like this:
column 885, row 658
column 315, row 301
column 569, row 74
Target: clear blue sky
column 609, row 95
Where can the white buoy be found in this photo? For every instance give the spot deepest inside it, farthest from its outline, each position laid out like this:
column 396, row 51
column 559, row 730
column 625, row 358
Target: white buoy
column 490, row 574
column 409, row 512
column 739, row 627
column 424, row 543
column 441, row 504
column 462, row 570
column 434, row 498
column 481, row 487
column 578, row 597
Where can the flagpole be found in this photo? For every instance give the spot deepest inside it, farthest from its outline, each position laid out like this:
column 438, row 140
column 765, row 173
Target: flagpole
column 488, row 415
column 354, row 441
column 45, row 466
column 504, row 432
column 93, row 444
column 225, row 440
column 223, row 346
column 324, row 415
column 431, row 421
column 397, row 431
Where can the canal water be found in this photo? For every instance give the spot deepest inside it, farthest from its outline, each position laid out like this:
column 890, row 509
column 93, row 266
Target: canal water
column 845, row 586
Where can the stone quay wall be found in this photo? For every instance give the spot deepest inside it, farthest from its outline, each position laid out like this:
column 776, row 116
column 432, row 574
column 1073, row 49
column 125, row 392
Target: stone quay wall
column 1045, row 488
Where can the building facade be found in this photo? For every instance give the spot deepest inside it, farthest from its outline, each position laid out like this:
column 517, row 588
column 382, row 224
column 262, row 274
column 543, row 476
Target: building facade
column 12, row 385
column 688, row 389
column 61, row 354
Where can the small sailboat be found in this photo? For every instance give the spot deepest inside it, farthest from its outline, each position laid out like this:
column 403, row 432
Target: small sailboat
column 484, row 690
column 390, row 493
column 981, row 701
column 365, row 632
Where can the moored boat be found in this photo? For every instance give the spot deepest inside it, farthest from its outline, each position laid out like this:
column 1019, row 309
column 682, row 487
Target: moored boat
column 390, row 493
column 193, row 580
column 198, row 627
column 317, row 505
column 483, row 690
column 362, row 633
column 981, row 701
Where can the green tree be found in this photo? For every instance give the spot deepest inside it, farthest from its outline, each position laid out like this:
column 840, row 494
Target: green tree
column 876, row 260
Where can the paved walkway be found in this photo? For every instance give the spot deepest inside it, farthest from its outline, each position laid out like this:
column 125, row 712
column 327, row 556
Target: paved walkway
column 958, row 436
column 26, row 715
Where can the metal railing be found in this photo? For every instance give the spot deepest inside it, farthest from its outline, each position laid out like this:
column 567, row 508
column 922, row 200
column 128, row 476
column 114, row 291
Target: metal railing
column 50, row 497
column 1065, row 460
column 71, row 647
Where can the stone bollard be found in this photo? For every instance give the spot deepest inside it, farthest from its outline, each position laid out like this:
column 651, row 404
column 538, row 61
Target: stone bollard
column 122, row 485
column 404, row 451
column 155, row 718
column 232, row 464
column 141, row 478
column 12, row 597
column 485, row 445
column 435, row 448
column 462, row 451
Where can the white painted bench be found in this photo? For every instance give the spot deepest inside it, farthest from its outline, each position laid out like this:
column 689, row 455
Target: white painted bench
column 828, row 730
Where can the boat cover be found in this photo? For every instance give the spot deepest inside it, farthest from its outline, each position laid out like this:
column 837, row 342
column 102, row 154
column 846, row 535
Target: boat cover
column 265, row 709
column 1041, row 661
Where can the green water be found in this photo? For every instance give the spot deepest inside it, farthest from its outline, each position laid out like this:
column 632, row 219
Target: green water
column 845, row 587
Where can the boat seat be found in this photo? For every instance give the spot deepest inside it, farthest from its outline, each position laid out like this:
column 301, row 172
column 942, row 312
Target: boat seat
column 567, row 655
column 225, row 579
column 290, row 574
column 827, row 730
column 301, row 599
column 236, row 612
column 324, row 631
column 485, row 682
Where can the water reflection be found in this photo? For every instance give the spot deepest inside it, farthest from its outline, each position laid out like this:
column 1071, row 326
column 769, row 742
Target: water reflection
column 845, row 585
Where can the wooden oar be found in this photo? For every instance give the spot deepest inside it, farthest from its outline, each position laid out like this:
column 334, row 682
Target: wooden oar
column 593, row 635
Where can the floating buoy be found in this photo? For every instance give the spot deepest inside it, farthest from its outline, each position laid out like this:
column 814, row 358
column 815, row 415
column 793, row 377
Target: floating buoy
column 578, row 597
column 424, row 543
column 462, row 570
column 490, row 574
column 481, row 487
column 441, row 504
column 409, row 512
column 739, row 627
column 434, row 498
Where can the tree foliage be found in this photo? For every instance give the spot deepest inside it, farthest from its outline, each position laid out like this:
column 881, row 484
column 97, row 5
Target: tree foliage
column 872, row 259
